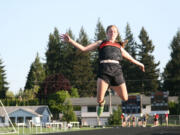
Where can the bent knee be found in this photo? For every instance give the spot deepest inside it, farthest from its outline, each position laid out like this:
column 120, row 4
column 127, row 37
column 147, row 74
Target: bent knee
column 125, row 98
column 100, row 100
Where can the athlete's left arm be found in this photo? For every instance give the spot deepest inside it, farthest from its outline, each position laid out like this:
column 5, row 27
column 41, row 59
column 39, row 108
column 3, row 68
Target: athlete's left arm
column 127, row 56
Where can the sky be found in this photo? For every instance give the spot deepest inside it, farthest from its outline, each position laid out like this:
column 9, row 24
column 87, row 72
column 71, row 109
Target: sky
column 25, row 26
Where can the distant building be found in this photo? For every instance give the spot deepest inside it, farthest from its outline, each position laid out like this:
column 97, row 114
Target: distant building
column 87, row 114
column 24, row 114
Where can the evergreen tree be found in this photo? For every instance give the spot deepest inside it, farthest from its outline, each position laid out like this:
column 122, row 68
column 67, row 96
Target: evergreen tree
column 3, row 82
column 149, row 79
column 171, row 74
column 36, row 74
column 100, row 34
column 82, row 75
column 67, row 58
column 53, row 55
column 130, row 70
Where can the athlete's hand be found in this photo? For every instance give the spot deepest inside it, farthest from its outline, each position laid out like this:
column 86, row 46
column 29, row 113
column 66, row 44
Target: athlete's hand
column 65, row 37
column 142, row 67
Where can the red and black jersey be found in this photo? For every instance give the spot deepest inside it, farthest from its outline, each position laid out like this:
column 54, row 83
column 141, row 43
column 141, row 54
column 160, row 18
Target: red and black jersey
column 109, row 50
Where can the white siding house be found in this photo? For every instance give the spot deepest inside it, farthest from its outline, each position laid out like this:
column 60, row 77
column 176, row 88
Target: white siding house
column 88, row 112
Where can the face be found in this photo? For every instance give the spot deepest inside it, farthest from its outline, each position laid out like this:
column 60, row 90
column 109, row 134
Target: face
column 112, row 33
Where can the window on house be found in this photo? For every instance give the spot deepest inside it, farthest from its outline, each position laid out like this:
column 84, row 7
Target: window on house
column 144, row 106
column 2, row 119
column 20, row 119
column 28, row 119
column 91, row 108
column 12, row 119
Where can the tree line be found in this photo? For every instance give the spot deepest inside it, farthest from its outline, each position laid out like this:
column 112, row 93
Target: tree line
column 68, row 69
column 79, row 69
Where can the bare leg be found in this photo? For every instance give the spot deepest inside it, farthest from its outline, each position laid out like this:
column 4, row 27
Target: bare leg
column 121, row 91
column 102, row 87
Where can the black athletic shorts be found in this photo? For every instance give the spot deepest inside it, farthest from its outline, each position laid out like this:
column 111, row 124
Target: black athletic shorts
column 111, row 73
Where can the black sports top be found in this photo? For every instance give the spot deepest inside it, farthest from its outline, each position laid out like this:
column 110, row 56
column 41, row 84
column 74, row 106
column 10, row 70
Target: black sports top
column 110, row 51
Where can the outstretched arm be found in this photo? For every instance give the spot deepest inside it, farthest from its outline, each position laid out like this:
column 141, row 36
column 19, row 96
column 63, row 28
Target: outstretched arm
column 127, row 56
column 89, row 47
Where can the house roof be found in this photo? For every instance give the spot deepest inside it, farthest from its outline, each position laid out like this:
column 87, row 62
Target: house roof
column 36, row 110
column 93, row 101
column 116, row 100
column 173, row 99
column 146, row 100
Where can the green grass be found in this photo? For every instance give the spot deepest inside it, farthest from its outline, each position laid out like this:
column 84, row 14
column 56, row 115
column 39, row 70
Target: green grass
column 39, row 130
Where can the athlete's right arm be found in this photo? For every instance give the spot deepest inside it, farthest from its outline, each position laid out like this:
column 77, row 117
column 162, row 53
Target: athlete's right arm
column 89, row 47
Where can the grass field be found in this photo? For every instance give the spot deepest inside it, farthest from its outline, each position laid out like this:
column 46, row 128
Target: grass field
column 100, row 131
column 39, row 130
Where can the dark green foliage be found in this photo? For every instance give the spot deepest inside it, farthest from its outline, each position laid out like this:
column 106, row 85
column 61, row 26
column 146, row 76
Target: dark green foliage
column 115, row 118
column 100, row 34
column 67, row 58
column 17, row 102
column 82, row 73
column 149, row 78
column 36, row 74
column 53, row 54
column 171, row 74
column 131, row 70
column 3, row 82
column 174, row 108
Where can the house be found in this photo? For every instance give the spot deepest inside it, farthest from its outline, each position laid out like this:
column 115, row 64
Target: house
column 87, row 114
column 24, row 114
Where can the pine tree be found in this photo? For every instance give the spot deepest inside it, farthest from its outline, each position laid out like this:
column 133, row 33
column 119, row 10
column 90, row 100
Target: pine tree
column 171, row 74
column 149, row 79
column 130, row 70
column 100, row 34
column 3, row 82
column 67, row 58
column 82, row 75
column 36, row 74
column 53, row 55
